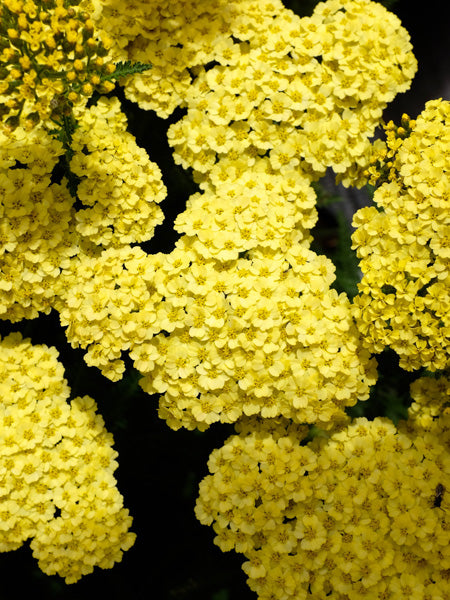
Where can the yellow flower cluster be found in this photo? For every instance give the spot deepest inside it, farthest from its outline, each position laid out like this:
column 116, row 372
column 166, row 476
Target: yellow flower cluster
column 261, row 333
column 431, row 399
column 404, row 246
column 119, row 184
column 242, row 208
column 381, row 162
column 41, row 232
column 176, row 37
column 308, row 93
column 363, row 513
column 238, row 323
column 50, row 59
column 257, row 335
column 36, row 237
column 56, row 468
column 239, row 319
column 105, row 301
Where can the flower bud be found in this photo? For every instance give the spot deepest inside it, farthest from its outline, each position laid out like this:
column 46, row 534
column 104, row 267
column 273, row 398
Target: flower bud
column 22, row 21
column 87, row 89
column 50, row 42
column 71, row 37
column 107, row 86
column 25, row 62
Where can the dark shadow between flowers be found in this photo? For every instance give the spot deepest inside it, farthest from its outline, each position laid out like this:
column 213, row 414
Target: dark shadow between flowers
column 150, row 132
column 389, row 397
column 174, row 557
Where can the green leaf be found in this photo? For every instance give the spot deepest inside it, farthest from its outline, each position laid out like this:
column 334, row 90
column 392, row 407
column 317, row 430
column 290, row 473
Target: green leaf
column 370, row 189
column 123, row 69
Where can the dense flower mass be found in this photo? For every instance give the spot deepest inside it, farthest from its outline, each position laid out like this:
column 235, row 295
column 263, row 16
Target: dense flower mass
column 118, row 182
column 403, row 244
column 37, row 239
column 44, row 232
column 51, row 59
column 106, row 302
column 55, row 455
column 239, row 323
column 308, row 93
column 363, row 513
column 241, row 209
column 431, row 399
column 257, row 335
column 176, row 37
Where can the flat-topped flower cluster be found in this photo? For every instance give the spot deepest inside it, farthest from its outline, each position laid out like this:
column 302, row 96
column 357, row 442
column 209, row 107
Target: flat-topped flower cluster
column 361, row 513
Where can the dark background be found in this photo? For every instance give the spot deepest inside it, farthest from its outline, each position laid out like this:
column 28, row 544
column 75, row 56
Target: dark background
column 174, row 557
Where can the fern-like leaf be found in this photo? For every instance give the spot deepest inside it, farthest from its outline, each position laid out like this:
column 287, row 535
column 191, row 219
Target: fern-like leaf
column 123, row 69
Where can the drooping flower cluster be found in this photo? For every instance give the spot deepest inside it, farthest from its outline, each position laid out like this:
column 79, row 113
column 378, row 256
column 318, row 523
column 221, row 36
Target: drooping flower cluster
column 43, row 233
column 37, row 239
column 308, row 93
column 363, row 513
column 51, row 59
column 119, row 184
column 55, row 456
column 403, row 244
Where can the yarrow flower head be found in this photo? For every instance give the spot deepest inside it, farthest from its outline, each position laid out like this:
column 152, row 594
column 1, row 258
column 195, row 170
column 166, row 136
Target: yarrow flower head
column 404, row 246
column 308, row 93
column 176, row 37
column 431, row 399
column 241, row 209
column 119, row 186
column 361, row 513
column 37, row 237
column 108, row 304
column 261, row 334
column 56, row 455
column 111, row 201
